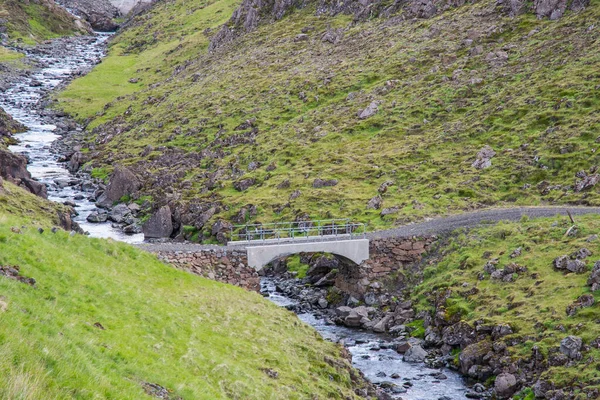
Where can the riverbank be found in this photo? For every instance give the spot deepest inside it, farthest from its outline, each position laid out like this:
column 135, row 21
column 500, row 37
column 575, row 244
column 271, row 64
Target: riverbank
column 510, row 306
column 50, row 137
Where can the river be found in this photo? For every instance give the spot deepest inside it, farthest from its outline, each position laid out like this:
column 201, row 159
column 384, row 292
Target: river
column 58, row 61
column 373, row 355
column 62, row 59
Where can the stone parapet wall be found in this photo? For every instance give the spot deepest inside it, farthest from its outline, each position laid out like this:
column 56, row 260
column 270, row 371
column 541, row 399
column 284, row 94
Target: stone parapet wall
column 227, row 266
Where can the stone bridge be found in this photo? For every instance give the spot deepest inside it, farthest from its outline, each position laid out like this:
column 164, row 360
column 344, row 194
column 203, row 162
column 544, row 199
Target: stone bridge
column 364, row 259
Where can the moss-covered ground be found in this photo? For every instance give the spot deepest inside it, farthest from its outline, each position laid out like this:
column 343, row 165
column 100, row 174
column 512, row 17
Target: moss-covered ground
column 442, row 99
column 535, row 303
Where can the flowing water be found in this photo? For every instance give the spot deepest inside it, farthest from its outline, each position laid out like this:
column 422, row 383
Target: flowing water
column 64, row 58
column 371, row 354
column 58, row 61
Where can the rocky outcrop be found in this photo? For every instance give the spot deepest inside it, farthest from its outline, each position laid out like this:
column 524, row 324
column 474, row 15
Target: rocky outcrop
column 123, row 182
column 251, row 13
column 9, row 126
column 13, row 167
column 100, row 14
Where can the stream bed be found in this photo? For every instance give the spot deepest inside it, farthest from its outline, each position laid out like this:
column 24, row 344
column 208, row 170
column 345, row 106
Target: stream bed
column 60, row 60
column 373, row 354
column 57, row 62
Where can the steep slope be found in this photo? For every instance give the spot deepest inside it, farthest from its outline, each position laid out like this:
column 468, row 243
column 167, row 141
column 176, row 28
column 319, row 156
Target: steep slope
column 504, row 299
column 105, row 320
column 325, row 112
column 31, row 21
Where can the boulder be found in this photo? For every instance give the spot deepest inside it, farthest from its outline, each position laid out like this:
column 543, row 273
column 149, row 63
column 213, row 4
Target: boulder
column 571, row 346
column 505, row 385
column 553, row 9
column 97, row 216
column 119, row 213
column 375, row 203
column 244, row 184
column 122, row 182
column 484, row 158
column 588, row 182
column 319, row 183
column 415, row 354
column 594, row 279
column 370, row 110
column 159, row 225
column 473, row 354
column 220, row 230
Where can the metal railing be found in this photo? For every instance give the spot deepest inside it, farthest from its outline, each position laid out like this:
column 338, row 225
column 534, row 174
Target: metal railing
column 330, row 229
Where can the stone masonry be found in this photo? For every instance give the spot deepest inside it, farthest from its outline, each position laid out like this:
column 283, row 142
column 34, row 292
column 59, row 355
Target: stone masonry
column 387, row 256
column 230, row 265
column 222, row 265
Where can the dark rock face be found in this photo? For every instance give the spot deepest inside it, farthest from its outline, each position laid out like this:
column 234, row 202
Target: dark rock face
column 159, row 225
column 122, row 182
column 13, row 167
column 8, row 125
column 99, row 13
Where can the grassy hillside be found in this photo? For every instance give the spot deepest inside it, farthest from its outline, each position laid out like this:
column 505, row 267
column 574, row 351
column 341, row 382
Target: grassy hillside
column 533, row 301
column 282, row 110
column 32, row 21
column 105, row 320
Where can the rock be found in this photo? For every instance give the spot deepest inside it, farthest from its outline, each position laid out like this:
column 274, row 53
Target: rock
column 244, row 184
column 516, row 253
column 501, row 331
column 382, row 324
column 505, row 385
column 119, row 213
column 587, row 182
column 97, row 216
column 384, row 186
column 460, row 334
column 370, row 110
column 576, row 266
column 302, row 37
column 484, row 158
column 353, row 319
column 571, row 346
column 497, row 58
column 565, row 263
column 159, row 225
column 415, row 354
column 319, row 183
column 586, row 300
column 594, row 279
column 553, row 9
column 122, row 183
column 540, row 388
column 581, row 254
column 323, row 303
column 220, row 230
column 343, row 311
column 473, row 354
column 389, row 211
column 375, row 203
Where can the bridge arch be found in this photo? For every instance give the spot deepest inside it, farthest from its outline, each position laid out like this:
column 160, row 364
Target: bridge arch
column 356, row 250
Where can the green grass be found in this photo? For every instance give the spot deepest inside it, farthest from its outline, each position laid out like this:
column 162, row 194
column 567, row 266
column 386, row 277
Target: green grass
column 30, row 208
column 34, row 22
column 537, row 111
column 294, row 264
column 198, row 338
column 535, row 304
column 7, row 55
